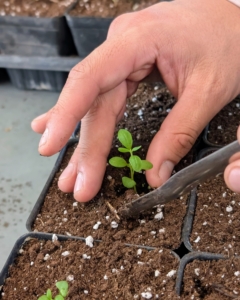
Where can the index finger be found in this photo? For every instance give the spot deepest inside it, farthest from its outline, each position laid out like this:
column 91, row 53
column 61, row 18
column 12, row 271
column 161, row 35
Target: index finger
column 104, row 69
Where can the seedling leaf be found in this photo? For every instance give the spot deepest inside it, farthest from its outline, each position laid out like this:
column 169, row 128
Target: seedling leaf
column 128, row 182
column 124, row 150
column 136, row 148
column 44, row 297
column 59, row 297
column 118, row 162
column 146, row 165
column 125, row 138
column 63, row 288
column 136, row 163
column 49, row 294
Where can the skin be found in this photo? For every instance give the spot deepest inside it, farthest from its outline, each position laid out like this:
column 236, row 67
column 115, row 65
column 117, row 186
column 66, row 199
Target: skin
column 194, row 44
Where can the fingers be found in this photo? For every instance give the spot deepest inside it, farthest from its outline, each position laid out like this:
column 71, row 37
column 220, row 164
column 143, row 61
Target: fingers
column 232, row 172
column 177, row 135
column 86, row 168
column 103, row 70
column 39, row 124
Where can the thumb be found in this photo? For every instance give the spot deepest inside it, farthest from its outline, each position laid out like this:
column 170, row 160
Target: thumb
column 178, row 134
column 232, row 172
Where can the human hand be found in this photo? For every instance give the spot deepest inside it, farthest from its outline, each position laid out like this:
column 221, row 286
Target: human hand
column 194, row 44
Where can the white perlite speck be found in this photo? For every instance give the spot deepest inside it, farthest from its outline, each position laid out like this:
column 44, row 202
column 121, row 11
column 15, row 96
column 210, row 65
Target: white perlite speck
column 204, row 223
column 171, row 273
column 107, row 217
column 114, row 224
column 85, row 292
column 153, row 232
column 46, row 257
column 75, row 204
column 197, row 239
column 146, row 295
column 65, row 219
column 139, row 251
column 95, row 227
column 70, row 278
column 156, row 273
column 224, row 194
column 237, row 273
column 162, row 230
column 85, row 256
column 154, row 99
column 65, row 212
column 159, row 216
column 65, row 253
column 196, row 271
column 219, row 127
column 32, row 263
column 89, row 241
column 140, row 112
column 229, row 208
column 54, row 238
column 105, row 277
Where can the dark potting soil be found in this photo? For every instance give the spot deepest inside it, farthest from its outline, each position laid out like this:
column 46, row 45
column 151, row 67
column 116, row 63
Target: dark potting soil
column 211, row 280
column 105, row 271
column 223, row 128
column 34, row 8
column 216, row 226
column 109, row 8
column 72, row 218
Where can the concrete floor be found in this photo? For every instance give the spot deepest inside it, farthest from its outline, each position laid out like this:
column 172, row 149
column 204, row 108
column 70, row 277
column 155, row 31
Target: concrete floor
column 23, row 172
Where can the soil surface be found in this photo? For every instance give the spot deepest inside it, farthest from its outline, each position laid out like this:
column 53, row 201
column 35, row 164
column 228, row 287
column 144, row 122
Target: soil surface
column 109, row 8
column 211, row 280
column 223, row 128
column 34, row 8
column 105, row 271
column 72, row 218
column 216, row 226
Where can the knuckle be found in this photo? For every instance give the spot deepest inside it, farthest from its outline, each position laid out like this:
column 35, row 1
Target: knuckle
column 183, row 142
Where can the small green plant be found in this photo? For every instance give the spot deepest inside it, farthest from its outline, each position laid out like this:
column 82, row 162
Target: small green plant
column 63, row 290
column 135, row 163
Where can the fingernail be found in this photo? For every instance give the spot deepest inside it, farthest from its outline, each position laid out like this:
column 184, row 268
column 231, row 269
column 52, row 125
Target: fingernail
column 68, row 172
column 166, row 170
column 79, row 182
column 44, row 137
column 234, row 179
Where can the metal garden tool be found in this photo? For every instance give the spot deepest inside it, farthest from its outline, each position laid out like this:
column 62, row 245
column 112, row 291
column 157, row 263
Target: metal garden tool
column 183, row 181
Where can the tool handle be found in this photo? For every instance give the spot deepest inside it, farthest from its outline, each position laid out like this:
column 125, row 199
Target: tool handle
column 183, row 181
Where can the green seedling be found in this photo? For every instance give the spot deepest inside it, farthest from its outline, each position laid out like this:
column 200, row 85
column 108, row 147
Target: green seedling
column 135, row 163
column 63, row 290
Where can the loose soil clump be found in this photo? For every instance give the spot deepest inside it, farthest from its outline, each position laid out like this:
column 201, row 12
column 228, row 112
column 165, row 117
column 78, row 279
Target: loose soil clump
column 216, row 226
column 211, row 280
column 105, row 271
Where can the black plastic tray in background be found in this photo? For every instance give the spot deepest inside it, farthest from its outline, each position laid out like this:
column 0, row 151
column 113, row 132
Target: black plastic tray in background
column 38, row 72
column 38, row 80
column 32, row 36
column 88, row 32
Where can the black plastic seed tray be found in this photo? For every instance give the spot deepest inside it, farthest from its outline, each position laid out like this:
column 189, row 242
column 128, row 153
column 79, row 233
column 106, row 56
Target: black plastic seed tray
column 38, row 73
column 189, row 258
column 32, row 36
column 88, row 32
column 188, row 221
column 37, row 207
column 206, row 140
